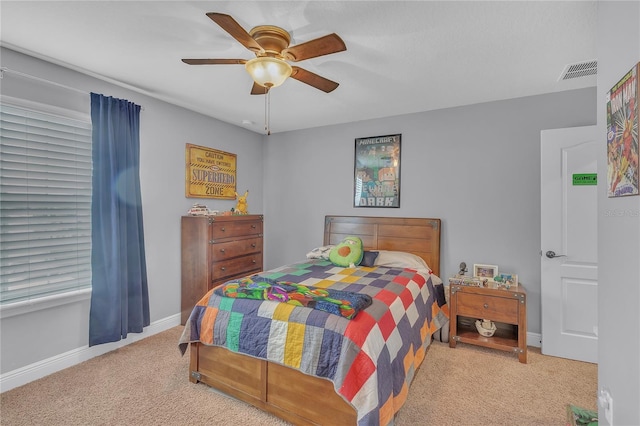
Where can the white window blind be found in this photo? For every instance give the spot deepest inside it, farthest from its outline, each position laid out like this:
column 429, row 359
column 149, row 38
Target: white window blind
column 45, row 204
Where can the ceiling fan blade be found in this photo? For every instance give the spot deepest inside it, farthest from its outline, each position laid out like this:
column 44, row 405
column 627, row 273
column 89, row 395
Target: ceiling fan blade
column 258, row 89
column 314, row 80
column 236, row 31
column 326, row 45
column 214, row 61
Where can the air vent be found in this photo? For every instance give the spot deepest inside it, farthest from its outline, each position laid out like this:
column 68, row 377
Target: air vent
column 581, row 69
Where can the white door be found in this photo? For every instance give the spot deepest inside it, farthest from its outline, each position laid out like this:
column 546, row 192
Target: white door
column 569, row 257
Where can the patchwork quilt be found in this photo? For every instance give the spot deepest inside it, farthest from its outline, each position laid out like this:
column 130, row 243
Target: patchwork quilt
column 371, row 359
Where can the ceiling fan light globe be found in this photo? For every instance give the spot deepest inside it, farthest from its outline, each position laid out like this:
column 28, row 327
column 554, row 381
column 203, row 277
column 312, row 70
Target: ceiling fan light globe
column 268, row 72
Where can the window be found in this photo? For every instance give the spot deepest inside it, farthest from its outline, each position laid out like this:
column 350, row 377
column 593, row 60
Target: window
column 45, row 203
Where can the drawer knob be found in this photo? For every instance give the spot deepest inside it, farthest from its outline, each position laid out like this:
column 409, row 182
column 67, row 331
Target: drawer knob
column 253, row 226
column 486, row 306
column 254, row 261
column 222, row 229
column 253, row 245
column 221, row 250
column 223, row 269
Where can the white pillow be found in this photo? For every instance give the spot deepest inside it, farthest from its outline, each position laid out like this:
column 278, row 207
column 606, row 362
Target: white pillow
column 401, row 259
column 320, row 252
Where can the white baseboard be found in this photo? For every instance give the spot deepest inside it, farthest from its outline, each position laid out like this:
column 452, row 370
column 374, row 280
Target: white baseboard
column 37, row 370
column 534, row 339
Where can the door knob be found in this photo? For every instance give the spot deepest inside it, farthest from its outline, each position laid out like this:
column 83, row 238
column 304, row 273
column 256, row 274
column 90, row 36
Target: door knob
column 551, row 254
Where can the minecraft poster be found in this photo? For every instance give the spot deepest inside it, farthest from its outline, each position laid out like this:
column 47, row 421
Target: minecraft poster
column 377, row 171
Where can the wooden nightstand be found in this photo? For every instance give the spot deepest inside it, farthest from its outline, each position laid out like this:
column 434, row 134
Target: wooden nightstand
column 507, row 308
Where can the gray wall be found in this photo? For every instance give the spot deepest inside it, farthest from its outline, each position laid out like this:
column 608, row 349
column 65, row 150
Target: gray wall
column 618, row 231
column 476, row 167
column 165, row 129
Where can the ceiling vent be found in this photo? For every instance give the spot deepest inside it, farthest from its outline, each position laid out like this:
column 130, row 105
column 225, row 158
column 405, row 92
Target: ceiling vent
column 581, row 69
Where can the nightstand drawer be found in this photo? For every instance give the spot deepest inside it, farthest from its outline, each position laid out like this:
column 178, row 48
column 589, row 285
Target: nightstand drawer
column 499, row 309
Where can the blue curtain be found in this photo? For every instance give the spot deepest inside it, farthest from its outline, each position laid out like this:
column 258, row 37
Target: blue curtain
column 119, row 298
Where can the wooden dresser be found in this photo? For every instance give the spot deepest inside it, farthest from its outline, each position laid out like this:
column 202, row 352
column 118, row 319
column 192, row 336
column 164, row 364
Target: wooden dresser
column 216, row 249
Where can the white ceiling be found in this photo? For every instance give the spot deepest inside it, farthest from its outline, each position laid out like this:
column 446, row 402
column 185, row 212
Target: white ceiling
column 402, row 56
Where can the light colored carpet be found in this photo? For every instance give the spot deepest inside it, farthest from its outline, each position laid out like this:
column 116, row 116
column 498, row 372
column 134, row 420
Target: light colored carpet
column 146, row 383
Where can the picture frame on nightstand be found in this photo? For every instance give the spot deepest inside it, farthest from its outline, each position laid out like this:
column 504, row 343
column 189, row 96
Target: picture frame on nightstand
column 485, row 271
column 506, row 280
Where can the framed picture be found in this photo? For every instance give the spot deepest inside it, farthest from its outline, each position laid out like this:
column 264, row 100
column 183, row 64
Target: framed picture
column 377, row 172
column 210, row 173
column 485, row 271
column 510, row 280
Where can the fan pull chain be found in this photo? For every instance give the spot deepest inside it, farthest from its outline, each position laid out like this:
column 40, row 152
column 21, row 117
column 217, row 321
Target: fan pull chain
column 267, row 110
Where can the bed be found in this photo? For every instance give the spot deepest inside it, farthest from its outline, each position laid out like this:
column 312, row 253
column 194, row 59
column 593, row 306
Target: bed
column 334, row 370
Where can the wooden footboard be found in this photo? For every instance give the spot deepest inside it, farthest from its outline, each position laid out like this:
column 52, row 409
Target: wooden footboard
column 282, row 391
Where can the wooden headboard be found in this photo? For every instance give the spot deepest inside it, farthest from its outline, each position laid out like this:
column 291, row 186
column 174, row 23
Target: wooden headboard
column 420, row 236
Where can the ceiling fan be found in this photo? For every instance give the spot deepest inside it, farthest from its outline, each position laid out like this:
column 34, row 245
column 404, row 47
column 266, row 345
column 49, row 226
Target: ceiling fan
column 270, row 44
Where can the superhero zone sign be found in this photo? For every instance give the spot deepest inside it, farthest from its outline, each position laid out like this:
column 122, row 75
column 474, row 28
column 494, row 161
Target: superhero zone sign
column 210, row 173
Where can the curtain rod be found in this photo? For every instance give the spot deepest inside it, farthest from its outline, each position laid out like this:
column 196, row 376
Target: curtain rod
column 40, row 79
column 44, row 80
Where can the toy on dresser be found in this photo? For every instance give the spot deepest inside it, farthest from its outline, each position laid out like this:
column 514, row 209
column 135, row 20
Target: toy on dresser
column 241, row 205
column 201, row 210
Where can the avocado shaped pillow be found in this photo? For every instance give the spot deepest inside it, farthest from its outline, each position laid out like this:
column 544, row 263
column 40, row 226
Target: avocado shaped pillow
column 348, row 253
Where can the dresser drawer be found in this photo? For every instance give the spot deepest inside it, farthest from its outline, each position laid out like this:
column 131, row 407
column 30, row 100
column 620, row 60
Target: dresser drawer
column 231, row 229
column 222, row 251
column 501, row 309
column 239, row 265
